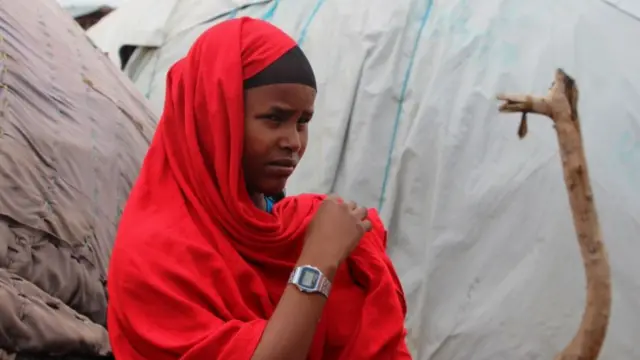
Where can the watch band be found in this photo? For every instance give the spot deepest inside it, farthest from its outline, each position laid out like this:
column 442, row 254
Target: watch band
column 310, row 279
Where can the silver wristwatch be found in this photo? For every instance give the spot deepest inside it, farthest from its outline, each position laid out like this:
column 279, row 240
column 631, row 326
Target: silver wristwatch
column 310, row 279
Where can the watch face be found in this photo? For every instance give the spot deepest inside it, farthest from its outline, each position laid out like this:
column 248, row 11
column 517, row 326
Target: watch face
column 308, row 278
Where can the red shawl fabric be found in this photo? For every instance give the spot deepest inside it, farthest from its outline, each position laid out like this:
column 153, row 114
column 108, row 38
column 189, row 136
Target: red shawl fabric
column 197, row 269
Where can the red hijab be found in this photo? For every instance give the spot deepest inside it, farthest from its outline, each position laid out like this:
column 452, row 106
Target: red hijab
column 197, row 269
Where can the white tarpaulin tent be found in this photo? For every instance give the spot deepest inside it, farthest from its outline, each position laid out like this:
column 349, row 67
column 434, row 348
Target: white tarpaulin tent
column 479, row 221
column 79, row 8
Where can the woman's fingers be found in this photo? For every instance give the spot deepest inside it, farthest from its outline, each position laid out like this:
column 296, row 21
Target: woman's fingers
column 351, row 205
column 366, row 225
column 360, row 212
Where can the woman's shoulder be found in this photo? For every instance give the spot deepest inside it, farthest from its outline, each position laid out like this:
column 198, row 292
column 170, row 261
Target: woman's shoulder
column 305, row 197
column 378, row 229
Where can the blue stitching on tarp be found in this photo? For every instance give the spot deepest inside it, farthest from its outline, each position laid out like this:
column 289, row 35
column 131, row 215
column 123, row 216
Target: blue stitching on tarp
column 396, row 122
column 303, row 33
column 269, row 15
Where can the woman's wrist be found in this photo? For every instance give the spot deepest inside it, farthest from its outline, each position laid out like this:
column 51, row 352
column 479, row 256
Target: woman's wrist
column 328, row 268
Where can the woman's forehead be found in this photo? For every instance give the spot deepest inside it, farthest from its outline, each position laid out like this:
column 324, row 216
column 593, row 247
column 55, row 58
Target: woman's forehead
column 282, row 97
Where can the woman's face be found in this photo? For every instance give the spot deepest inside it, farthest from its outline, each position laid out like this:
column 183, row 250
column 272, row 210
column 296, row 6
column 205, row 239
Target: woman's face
column 275, row 135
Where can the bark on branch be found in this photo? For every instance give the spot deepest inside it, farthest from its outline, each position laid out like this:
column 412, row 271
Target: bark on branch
column 560, row 105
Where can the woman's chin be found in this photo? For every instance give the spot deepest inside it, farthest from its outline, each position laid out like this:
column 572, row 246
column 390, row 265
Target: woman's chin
column 273, row 187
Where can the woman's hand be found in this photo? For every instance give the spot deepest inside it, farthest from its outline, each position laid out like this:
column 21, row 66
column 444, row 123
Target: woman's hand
column 336, row 229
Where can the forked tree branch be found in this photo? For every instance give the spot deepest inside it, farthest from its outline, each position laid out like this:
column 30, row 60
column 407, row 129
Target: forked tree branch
column 560, row 105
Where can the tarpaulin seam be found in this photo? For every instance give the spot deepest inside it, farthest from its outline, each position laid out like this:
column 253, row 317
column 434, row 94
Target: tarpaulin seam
column 305, row 28
column 268, row 16
column 403, row 91
column 623, row 9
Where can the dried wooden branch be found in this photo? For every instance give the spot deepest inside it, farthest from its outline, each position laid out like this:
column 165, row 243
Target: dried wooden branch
column 560, row 105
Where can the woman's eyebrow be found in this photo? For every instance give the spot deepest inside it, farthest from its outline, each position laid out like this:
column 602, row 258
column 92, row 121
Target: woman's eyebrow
column 279, row 108
column 287, row 110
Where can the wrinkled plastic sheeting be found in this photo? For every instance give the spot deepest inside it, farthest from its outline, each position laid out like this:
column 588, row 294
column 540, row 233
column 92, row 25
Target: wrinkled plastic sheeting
column 78, row 8
column 73, row 132
column 406, row 120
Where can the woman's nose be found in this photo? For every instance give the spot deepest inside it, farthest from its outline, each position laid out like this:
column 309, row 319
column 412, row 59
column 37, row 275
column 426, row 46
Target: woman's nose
column 291, row 138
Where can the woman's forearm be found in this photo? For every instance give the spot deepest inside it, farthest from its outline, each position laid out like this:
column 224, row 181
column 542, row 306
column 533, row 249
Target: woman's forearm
column 289, row 332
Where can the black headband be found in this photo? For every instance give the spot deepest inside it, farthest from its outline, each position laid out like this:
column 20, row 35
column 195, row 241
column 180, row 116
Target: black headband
column 291, row 68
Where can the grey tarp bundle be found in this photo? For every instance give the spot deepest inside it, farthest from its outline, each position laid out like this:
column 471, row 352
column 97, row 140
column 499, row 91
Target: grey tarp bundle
column 73, row 133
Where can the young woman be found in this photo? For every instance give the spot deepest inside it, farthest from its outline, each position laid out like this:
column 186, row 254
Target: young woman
column 205, row 265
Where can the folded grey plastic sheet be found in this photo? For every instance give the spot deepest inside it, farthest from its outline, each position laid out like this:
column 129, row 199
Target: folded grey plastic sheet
column 73, row 133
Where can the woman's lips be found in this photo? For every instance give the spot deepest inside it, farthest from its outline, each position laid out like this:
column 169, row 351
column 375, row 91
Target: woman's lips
column 282, row 167
column 280, row 170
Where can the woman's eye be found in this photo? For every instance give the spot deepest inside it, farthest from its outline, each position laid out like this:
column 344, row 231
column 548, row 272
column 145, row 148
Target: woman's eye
column 273, row 117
